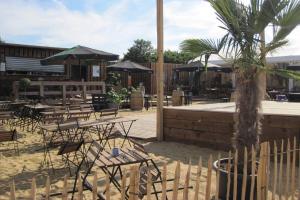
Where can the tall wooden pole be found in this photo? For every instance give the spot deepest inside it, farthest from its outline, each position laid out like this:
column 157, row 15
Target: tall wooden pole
column 160, row 71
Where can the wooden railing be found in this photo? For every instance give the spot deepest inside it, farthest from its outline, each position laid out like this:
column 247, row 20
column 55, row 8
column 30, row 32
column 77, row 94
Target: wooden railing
column 63, row 89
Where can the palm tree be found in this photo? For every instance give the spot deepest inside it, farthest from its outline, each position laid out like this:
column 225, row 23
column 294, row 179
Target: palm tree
column 245, row 48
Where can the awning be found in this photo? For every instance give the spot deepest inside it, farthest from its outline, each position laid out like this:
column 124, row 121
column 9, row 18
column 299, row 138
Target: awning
column 31, row 65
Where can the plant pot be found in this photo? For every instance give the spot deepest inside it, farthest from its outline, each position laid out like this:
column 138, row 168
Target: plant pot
column 223, row 182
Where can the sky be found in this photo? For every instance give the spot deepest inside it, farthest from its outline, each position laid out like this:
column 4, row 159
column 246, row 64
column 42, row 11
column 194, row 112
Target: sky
column 112, row 25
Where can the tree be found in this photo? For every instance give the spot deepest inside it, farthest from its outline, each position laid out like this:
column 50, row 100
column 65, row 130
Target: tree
column 245, row 48
column 140, row 52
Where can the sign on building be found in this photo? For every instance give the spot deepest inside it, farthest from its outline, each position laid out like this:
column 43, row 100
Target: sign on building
column 96, row 71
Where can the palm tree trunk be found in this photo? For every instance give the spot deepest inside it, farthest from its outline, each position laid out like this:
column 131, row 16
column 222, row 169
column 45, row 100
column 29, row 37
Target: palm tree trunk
column 248, row 114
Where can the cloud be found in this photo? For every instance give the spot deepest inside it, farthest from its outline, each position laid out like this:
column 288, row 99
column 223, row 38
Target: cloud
column 113, row 27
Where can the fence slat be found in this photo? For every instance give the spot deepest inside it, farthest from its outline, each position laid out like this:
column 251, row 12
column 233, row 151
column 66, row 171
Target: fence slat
column 79, row 188
column 197, row 187
column 176, row 181
column 280, row 171
column 47, row 189
column 132, row 183
column 149, row 184
column 107, row 187
column 228, row 175
column 267, row 170
column 12, row 191
column 65, row 188
column 275, row 172
column 235, row 176
column 293, row 168
column 244, row 183
column 164, row 182
column 288, row 166
column 208, row 182
column 187, row 182
column 95, row 190
column 253, row 169
column 33, row 189
column 123, row 186
column 218, row 176
column 259, row 173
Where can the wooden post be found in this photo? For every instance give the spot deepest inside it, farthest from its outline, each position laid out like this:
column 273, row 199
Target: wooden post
column 84, row 93
column 64, row 94
column 160, row 71
column 41, row 89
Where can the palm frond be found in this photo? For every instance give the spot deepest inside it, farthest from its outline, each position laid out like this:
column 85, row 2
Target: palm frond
column 269, row 9
column 273, row 46
column 287, row 20
column 285, row 73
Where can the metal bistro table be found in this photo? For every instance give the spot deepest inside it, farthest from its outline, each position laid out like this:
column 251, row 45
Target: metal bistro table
column 113, row 166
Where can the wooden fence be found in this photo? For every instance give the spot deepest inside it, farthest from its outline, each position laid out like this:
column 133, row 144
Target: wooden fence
column 275, row 177
column 60, row 88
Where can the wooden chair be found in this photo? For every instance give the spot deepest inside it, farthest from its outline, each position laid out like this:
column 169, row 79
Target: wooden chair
column 9, row 137
column 70, row 152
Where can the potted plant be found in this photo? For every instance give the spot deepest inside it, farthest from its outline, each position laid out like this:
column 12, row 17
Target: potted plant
column 244, row 47
column 114, row 99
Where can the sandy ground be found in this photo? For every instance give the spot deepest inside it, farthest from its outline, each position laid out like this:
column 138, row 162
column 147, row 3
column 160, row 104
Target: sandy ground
column 29, row 164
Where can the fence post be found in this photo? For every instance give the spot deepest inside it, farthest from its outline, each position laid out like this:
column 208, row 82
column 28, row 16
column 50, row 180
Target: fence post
column 244, row 183
column 176, row 181
column 132, row 183
column 79, row 188
column 187, row 182
column 164, row 182
column 12, row 190
column 275, row 171
column 280, row 171
column 228, row 175
column 199, row 171
column 208, row 183
column 65, row 189
column 33, row 189
column 235, row 175
column 123, row 186
column 95, row 191
column 218, row 176
column 293, row 167
column 107, row 187
column 149, row 184
column 253, row 168
column 288, row 166
column 47, row 189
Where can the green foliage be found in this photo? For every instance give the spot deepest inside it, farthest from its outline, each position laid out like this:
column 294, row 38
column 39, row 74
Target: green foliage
column 112, row 79
column 24, row 83
column 117, row 97
column 140, row 52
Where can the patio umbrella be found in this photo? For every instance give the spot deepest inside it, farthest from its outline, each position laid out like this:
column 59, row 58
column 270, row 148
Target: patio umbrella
column 79, row 53
column 197, row 66
column 128, row 66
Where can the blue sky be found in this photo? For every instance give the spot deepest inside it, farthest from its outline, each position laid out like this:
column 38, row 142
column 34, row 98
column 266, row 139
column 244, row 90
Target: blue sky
column 110, row 25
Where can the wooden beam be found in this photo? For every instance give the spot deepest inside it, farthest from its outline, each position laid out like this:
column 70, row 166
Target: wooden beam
column 160, row 71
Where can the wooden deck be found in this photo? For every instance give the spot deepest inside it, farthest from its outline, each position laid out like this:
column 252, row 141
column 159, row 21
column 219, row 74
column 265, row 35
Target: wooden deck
column 211, row 125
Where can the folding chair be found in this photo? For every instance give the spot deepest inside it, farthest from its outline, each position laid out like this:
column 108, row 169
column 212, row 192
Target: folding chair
column 9, row 137
column 70, row 152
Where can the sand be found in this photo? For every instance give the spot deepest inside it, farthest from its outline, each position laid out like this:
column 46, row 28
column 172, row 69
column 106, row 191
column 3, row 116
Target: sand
column 29, row 164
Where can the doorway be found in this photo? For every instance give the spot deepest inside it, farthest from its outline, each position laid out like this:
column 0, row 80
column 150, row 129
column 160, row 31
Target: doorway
column 78, row 72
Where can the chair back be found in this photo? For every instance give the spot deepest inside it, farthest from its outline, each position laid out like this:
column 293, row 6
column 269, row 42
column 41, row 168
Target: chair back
column 6, row 136
column 69, row 147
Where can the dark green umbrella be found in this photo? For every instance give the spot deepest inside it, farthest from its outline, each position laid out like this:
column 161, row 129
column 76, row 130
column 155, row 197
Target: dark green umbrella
column 79, row 53
column 128, row 66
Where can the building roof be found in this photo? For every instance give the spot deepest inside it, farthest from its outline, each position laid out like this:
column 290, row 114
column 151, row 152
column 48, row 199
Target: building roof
column 30, row 65
column 31, row 46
